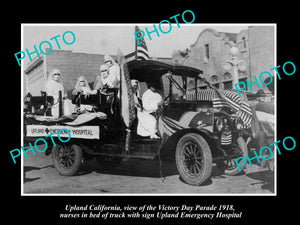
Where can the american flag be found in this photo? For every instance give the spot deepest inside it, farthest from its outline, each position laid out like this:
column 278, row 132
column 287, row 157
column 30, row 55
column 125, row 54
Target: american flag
column 141, row 50
column 222, row 98
column 233, row 100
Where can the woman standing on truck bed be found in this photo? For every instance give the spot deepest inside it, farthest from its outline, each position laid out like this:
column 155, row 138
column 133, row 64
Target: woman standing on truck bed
column 53, row 86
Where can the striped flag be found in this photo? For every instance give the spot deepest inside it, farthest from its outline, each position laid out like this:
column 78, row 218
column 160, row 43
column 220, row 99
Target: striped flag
column 226, row 138
column 221, row 98
column 141, row 50
column 169, row 126
column 233, row 100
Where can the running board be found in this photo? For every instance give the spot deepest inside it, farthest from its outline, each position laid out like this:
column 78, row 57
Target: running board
column 140, row 155
column 141, row 151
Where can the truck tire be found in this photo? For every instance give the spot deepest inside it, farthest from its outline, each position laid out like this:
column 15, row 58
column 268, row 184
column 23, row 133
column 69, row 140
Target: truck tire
column 67, row 159
column 193, row 159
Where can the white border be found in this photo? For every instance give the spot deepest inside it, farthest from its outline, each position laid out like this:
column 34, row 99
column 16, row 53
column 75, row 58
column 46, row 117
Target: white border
column 150, row 194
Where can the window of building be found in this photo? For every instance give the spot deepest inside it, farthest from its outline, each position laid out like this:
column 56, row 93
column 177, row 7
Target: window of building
column 228, row 85
column 242, row 73
column 201, row 84
column 227, row 76
column 243, row 80
column 244, row 42
column 217, row 85
column 214, row 80
column 206, row 50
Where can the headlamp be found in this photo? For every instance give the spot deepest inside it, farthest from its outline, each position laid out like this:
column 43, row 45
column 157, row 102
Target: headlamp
column 219, row 124
column 238, row 123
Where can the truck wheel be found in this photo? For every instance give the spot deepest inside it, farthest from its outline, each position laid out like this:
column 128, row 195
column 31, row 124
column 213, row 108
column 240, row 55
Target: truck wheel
column 67, row 159
column 193, row 159
column 229, row 166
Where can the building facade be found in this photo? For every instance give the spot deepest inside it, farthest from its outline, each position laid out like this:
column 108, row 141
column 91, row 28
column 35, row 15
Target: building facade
column 262, row 53
column 211, row 51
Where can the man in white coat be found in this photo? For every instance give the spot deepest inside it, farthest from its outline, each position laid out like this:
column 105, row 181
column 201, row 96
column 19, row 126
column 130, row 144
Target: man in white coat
column 147, row 125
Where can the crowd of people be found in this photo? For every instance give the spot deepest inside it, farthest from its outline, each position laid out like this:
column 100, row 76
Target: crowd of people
column 109, row 77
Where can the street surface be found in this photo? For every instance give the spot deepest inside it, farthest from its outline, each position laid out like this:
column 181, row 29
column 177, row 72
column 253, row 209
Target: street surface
column 137, row 176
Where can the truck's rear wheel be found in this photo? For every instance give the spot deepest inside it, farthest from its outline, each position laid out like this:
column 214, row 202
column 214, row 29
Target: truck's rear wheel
column 67, row 159
column 193, row 159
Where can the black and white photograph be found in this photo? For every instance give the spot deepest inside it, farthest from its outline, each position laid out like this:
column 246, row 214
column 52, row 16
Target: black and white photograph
column 132, row 109
column 121, row 114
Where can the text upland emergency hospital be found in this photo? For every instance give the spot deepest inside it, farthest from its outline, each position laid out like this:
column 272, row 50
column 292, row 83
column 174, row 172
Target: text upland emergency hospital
column 152, row 211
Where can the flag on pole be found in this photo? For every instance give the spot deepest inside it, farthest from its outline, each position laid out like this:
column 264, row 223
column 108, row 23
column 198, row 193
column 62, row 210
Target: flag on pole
column 141, row 50
column 130, row 56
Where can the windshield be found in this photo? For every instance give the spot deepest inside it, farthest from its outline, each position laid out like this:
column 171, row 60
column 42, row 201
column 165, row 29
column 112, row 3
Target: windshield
column 177, row 87
column 182, row 88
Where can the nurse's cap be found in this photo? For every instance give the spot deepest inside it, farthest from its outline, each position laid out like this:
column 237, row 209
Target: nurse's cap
column 108, row 58
column 54, row 71
column 103, row 67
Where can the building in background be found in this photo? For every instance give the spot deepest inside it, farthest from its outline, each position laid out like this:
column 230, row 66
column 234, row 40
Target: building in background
column 209, row 53
column 261, row 44
column 211, row 50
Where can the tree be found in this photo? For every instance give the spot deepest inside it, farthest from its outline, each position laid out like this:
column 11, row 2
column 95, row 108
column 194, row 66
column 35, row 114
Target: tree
column 180, row 55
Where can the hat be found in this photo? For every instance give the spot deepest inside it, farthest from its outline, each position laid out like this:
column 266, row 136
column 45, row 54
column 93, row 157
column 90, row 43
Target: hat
column 81, row 78
column 103, row 67
column 108, row 58
column 134, row 82
column 54, row 71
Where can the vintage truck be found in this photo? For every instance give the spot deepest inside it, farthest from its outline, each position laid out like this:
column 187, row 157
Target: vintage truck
column 197, row 127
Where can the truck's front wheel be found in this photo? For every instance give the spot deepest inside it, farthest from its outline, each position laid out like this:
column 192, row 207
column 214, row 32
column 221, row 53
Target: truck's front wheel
column 67, row 159
column 193, row 159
